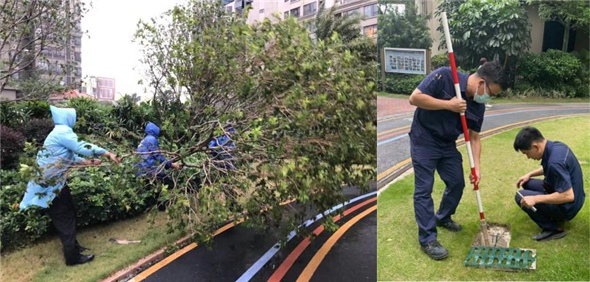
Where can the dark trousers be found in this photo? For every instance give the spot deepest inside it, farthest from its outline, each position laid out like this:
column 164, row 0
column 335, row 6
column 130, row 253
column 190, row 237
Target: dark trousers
column 548, row 216
column 449, row 164
column 62, row 212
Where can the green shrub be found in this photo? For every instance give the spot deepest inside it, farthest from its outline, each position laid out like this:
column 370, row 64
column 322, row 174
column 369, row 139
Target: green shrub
column 12, row 144
column 37, row 109
column 90, row 116
column 99, row 196
column 402, row 83
column 103, row 196
column 37, row 129
column 19, row 228
column 551, row 73
column 440, row 60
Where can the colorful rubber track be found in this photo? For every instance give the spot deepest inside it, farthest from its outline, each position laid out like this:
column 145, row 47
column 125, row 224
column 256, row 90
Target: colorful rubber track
column 240, row 254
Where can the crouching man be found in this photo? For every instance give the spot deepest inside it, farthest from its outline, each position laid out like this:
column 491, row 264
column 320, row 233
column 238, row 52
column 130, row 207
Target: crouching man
column 557, row 198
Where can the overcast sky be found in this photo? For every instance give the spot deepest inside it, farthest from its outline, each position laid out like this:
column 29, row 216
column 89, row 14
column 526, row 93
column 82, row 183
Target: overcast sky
column 107, row 50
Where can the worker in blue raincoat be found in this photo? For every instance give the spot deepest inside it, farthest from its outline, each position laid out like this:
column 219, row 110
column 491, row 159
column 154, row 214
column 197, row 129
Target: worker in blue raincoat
column 433, row 135
column 61, row 150
column 153, row 162
column 221, row 147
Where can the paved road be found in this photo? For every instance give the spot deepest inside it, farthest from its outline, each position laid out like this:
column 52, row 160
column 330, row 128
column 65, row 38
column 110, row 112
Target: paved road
column 242, row 254
column 393, row 144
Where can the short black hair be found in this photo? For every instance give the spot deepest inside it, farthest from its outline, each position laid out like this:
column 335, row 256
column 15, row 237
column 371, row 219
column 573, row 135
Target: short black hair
column 492, row 72
column 525, row 138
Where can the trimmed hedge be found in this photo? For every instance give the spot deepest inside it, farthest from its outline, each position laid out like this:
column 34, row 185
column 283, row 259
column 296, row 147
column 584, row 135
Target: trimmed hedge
column 99, row 197
column 402, row 83
column 37, row 129
column 440, row 60
column 552, row 73
column 12, row 144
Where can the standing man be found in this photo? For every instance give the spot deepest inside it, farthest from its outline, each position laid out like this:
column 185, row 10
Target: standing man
column 560, row 196
column 60, row 151
column 435, row 129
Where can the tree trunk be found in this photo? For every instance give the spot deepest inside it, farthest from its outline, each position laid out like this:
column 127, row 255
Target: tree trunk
column 566, row 37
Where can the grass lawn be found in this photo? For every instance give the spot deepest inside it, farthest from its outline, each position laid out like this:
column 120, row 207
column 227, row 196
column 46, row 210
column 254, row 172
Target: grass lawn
column 398, row 252
column 44, row 261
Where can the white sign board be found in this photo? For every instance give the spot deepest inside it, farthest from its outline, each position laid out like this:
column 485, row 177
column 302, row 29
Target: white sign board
column 400, row 60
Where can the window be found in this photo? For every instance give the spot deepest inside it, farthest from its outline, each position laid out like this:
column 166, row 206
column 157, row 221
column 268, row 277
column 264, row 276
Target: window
column 370, row 31
column 286, row 15
column 371, row 11
column 78, row 41
column 261, row 11
column 78, row 57
column 344, row 2
column 310, row 9
column 293, row 1
column 295, row 12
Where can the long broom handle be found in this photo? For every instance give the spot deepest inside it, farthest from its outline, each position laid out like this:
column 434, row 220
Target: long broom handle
column 463, row 120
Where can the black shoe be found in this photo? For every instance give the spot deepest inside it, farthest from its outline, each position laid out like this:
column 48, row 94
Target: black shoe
column 435, row 250
column 83, row 259
column 449, row 225
column 549, row 235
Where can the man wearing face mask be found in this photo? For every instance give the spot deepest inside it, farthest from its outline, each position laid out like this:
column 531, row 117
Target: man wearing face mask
column 435, row 129
column 557, row 198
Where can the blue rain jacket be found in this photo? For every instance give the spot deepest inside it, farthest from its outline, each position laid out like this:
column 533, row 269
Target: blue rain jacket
column 60, row 149
column 150, row 162
column 222, row 144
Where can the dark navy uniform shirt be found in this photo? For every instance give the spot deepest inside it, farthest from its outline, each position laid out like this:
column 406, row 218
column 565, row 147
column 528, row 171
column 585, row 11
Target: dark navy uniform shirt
column 562, row 171
column 442, row 127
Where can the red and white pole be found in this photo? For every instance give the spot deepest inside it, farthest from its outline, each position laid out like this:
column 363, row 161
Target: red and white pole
column 445, row 24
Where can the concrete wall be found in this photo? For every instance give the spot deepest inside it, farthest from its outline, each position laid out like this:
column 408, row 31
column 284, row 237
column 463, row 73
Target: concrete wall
column 537, row 29
column 8, row 94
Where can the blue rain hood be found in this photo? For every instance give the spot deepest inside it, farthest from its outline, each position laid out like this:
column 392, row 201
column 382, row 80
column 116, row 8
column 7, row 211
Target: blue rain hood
column 152, row 129
column 63, row 116
column 150, row 164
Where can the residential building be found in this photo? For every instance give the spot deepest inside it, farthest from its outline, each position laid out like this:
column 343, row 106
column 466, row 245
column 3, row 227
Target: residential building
column 306, row 10
column 68, row 53
column 101, row 88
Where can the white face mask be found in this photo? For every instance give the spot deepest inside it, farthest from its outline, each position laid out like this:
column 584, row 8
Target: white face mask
column 482, row 99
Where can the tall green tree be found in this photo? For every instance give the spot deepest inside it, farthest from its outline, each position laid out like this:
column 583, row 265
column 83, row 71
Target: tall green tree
column 327, row 23
column 304, row 113
column 570, row 14
column 406, row 29
column 328, row 26
column 482, row 28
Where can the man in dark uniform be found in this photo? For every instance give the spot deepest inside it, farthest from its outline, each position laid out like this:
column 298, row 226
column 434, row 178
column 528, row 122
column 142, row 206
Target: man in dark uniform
column 560, row 196
column 435, row 129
